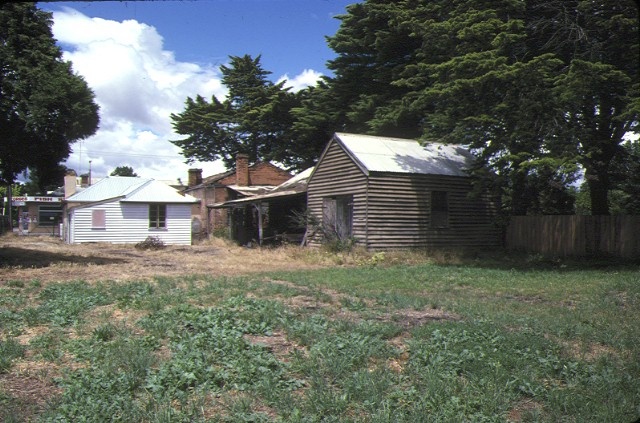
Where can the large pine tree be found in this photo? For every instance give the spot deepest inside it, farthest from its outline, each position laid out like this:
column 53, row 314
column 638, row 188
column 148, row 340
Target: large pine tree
column 255, row 118
column 541, row 89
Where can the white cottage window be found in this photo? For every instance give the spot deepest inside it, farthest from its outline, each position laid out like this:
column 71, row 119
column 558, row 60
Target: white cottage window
column 157, row 216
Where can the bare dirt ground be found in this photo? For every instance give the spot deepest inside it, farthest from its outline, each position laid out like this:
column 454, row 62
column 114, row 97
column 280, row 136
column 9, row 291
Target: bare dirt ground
column 47, row 258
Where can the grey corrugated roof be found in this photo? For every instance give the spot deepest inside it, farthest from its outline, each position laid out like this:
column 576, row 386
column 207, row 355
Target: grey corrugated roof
column 157, row 192
column 132, row 189
column 296, row 183
column 386, row 154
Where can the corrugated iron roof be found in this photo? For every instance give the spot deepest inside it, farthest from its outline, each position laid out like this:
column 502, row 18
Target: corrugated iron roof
column 386, row 154
column 294, row 186
column 250, row 190
column 296, row 183
column 158, row 192
column 132, row 189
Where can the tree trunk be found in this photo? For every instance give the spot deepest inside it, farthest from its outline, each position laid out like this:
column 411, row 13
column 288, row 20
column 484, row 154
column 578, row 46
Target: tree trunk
column 520, row 200
column 598, row 183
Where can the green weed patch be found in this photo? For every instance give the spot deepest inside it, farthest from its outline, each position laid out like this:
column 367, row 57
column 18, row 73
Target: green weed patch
column 424, row 343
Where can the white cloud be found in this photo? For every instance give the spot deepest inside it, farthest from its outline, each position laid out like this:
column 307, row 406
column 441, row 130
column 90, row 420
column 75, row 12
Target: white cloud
column 137, row 85
column 307, row 78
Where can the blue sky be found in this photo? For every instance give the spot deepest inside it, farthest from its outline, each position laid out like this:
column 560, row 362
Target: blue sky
column 144, row 58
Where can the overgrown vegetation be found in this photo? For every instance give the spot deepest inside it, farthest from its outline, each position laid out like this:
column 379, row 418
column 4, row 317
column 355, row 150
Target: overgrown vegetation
column 465, row 340
column 151, row 243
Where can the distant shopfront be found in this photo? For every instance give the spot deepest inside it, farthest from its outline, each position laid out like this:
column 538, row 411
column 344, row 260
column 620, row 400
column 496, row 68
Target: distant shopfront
column 38, row 214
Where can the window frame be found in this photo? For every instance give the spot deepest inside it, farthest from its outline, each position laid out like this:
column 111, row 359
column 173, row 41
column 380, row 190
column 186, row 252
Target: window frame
column 157, row 218
column 46, row 211
column 439, row 209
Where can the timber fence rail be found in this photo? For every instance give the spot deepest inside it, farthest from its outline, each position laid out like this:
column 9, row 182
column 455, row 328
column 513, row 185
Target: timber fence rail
column 617, row 236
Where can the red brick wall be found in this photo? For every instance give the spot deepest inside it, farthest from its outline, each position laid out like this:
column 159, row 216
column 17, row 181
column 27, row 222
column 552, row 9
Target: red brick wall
column 261, row 174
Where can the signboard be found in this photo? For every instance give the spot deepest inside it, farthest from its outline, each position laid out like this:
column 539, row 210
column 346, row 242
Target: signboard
column 19, row 201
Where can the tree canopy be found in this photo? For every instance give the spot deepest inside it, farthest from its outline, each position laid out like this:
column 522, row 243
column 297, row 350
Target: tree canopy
column 44, row 105
column 255, row 119
column 543, row 91
column 540, row 89
column 123, row 171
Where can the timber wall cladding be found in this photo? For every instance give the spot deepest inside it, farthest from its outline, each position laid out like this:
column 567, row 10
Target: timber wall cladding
column 399, row 214
column 575, row 235
column 129, row 223
column 392, row 211
column 337, row 175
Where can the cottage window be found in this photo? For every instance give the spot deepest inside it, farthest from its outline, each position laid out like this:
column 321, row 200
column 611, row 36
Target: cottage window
column 337, row 216
column 98, row 219
column 439, row 209
column 157, row 216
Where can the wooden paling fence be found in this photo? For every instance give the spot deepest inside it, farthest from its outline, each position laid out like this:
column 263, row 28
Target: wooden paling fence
column 617, row 236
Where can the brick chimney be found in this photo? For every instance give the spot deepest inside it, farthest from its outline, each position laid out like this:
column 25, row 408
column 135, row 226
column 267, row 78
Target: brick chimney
column 84, row 180
column 195, row 177
column 242, row 170
column 70, row 182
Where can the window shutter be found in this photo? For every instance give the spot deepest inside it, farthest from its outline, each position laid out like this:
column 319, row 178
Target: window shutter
column 98, row 219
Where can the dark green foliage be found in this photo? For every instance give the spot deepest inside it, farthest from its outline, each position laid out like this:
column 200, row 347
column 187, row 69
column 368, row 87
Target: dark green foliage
column 44, row 105
column 626, row 177
column 44, row 179
column 373, row 46
column 255, row 119
column 123, row 171
column 540, row 90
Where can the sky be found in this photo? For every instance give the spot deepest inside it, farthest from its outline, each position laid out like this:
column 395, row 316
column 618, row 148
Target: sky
column 142, row 59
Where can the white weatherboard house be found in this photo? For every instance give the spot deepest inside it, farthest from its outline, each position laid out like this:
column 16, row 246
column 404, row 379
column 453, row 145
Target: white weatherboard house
column 123, row 210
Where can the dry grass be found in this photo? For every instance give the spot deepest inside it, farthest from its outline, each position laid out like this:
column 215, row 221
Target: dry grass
column 49, row 259
column 46, row 259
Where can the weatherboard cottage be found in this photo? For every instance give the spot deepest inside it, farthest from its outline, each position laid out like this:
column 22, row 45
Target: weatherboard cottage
column 389, row 193
column 123, row 210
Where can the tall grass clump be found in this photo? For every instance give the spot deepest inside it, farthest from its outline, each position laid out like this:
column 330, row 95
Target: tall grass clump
column 10, row 349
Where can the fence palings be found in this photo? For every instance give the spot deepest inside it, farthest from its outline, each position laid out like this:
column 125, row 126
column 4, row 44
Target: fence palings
column 575, row 235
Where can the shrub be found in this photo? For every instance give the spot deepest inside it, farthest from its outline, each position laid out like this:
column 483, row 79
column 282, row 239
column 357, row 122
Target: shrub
column 336, row 244
column 151, row 243
column 220, row 232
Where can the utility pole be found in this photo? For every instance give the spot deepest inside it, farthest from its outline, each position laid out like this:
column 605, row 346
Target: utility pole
column 10, row 202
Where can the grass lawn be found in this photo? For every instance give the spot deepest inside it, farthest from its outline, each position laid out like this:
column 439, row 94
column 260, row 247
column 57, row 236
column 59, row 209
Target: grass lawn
column 478, row 340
